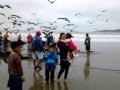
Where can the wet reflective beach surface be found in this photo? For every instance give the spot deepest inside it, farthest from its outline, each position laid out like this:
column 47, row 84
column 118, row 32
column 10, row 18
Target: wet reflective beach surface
column 99, row 70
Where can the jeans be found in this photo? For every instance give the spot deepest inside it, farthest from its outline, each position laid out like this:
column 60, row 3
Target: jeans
column 49, row 70
column 64, row 67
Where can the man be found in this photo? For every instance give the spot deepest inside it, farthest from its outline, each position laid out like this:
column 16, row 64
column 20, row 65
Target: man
column 37, row 48
column 6, row 39
column 1, row 38
column 87, row 42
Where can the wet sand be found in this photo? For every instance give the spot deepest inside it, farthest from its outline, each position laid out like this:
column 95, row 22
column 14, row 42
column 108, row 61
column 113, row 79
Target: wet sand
column 98, row 71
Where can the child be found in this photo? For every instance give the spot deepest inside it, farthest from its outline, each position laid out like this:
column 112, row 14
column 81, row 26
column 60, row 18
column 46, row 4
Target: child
column 15, row 68
column 50, row 63
column 72, row 47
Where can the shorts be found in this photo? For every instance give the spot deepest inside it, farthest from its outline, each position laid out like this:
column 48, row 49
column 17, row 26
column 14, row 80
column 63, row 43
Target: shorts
column 14, row 82
column 87, row 47
column 37, row 55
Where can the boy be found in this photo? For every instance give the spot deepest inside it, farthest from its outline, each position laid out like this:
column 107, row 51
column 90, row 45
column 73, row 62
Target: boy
column 15, row 68
column 50, row 63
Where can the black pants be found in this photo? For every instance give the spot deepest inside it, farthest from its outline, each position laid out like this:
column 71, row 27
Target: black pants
column 15, row 82
column 64, row 67
column 49, row 70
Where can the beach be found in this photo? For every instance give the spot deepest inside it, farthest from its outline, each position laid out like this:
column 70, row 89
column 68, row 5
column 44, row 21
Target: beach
column 98, row 71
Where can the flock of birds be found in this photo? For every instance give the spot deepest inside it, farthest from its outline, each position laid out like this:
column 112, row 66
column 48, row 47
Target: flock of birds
column 17, row 21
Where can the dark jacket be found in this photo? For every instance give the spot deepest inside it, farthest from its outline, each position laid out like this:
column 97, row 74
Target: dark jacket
column 63, row 50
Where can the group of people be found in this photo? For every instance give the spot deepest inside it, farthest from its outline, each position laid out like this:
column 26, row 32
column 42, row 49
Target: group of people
column 65, row 48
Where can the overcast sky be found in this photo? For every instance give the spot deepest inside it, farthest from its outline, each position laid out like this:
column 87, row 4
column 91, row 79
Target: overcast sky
column 47, row 12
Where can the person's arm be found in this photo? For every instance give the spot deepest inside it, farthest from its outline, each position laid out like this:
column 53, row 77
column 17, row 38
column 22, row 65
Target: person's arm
column 46, row 56
column 85, row 41
column 20, row 69
column 90, row 40
column 56, row 59
column 19, row 65
column 40, row 42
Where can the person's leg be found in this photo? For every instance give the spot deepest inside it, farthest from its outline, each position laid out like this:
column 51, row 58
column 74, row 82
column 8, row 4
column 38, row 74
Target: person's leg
column 15, row 88
column 52, row 74
column 15, row 83
column 34, row 58
column 40, row 57
column 62, row 68
column 66, row 69
column 47, row 74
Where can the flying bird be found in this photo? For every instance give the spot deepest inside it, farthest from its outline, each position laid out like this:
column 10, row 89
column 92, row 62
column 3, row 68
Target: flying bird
column 29, row 29
column 2, row 14
column 103, row 10
column 16, row 32
column 96, row 29
column 52, row 1
column 2, row 23
column 13, row 16
column 90, row 22
column 21, row 22
column 78, row 14
column 65, row 19
column 69, row 25
column 33, row 23
column 6, row 29
column 3, row 6
column 107, row 20
column 70, row 30
column 99, row 15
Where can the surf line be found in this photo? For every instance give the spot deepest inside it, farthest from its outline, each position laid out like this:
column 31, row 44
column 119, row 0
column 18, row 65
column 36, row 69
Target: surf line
column 106, row 69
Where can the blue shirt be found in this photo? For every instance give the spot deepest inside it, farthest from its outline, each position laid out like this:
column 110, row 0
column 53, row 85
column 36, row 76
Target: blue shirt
column 51, row 59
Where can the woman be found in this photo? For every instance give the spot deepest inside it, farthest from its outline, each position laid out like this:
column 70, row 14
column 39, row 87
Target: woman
column 29, row 40
column 64, row 63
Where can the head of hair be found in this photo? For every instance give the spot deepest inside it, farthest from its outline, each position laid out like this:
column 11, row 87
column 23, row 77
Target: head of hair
column 69, row 35
column 61, row 35
column 38, row 33
column 87, row 34
column 52, row 46
column 15, row 44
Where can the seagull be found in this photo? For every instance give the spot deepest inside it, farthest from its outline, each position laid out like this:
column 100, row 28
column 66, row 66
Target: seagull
column 99, row 15
column 107, row 20
column 78, row 14
column 45, row 27
column 2, row 14
column 103, row 10
column 30, row 29
column 13, row 16
column 6, row 29
column 96, row 29
column 53, row 28
column 17, row 31
column 2, row 23
column 3, row 6
column 65, row 19
column 70, row 30
column 51, row 1
column 21, row 22
column 50, row 23
column 45, row 30
column 90, row 22
column 69, row 25
column 33, row 23
column 33, row 13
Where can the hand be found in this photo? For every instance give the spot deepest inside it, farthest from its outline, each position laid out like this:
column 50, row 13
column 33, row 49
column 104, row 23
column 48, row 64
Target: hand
column 23, row 79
